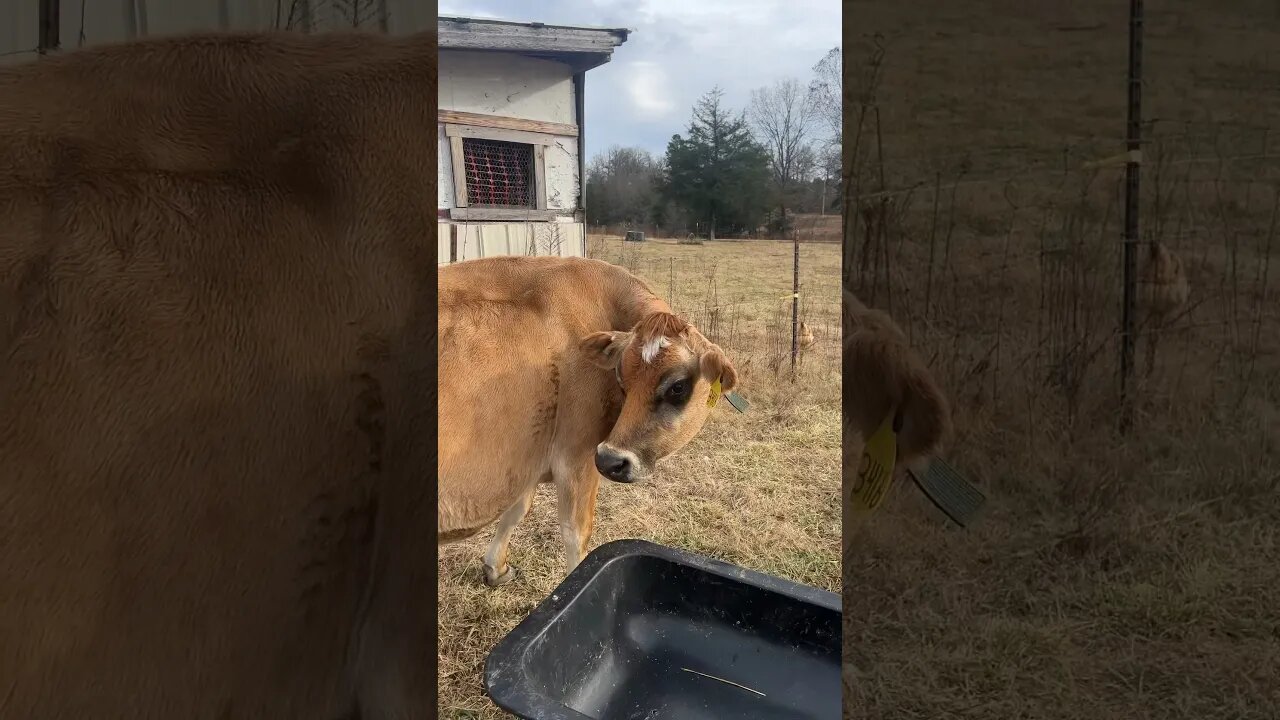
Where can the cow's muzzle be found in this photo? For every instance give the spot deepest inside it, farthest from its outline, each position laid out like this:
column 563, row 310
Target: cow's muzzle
column 617, row 465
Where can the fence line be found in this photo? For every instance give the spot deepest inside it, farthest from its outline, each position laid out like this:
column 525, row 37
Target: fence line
column 1069, row 148
column 1061, row 172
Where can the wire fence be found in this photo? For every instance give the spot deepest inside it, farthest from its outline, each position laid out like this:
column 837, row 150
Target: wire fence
column 740, row 296
column 999, row 253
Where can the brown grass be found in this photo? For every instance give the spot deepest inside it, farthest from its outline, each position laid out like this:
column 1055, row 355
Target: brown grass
column 1114, row 576
column 818, row 228
column 760, row 489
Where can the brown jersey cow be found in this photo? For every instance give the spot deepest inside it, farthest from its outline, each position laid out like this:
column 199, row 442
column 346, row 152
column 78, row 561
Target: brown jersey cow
column 217, row 288
column 558, row 370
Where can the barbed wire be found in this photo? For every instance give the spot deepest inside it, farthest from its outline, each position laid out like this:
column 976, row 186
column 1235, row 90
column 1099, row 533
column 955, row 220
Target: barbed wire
column 1180, row 327
column 1023, row 175
column 1056, row 157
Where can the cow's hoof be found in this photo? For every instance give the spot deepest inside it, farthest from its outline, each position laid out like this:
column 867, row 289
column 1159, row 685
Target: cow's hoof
column 493, row 579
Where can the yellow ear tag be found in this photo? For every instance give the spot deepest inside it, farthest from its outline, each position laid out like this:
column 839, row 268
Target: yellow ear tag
column 714, row 396
column 875, row 473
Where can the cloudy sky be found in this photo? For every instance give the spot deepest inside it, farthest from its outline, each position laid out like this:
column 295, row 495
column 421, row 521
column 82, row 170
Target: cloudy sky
column 679, row 49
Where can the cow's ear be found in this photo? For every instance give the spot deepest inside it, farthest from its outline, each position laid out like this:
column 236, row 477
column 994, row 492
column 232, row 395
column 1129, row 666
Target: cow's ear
column 880, row 372
column 715, row 365
column 604, row 348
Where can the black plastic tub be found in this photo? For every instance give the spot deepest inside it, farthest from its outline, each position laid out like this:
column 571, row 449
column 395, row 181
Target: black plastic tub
column 640, row 631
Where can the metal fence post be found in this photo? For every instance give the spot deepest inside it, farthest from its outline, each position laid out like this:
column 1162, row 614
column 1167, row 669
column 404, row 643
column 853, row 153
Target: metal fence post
column 795, row 300
column 1131, row 208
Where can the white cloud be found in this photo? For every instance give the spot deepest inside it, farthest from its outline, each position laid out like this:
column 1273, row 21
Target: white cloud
column 648, row 89
column 680, row 50
column 466, row 9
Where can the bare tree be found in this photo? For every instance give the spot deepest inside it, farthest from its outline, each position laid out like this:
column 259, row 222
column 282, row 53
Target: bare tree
column 358, row 12
column 291, row 15
column 826, row 98
column 622, row 187
column 306, row 15
column 826, row 91
column 782, row 119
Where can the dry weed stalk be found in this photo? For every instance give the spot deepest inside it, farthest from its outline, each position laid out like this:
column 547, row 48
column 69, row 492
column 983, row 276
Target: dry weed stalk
column 1163, row 294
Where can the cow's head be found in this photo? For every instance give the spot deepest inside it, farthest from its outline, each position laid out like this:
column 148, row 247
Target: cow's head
column 667, row 371
column 881, row 374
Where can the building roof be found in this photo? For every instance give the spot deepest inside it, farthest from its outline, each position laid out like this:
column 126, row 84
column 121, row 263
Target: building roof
column 581, row 47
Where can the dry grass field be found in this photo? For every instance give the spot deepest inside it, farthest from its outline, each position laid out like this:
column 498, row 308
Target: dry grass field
column 759, row 489
column 1115, row 575
column 818, row 228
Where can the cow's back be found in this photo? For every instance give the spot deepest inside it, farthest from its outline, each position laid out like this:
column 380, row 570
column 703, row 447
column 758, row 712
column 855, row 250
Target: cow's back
column 215, row 294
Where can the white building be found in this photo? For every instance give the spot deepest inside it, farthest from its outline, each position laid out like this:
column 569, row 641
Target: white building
column 511, row 136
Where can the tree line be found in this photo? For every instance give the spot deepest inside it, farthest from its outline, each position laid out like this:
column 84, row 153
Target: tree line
column 732, row 172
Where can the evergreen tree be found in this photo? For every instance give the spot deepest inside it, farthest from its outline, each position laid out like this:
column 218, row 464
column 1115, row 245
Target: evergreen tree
column 718, row 173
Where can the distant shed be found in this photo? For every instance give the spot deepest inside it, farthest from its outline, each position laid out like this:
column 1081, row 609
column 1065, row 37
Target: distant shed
column 511, row 135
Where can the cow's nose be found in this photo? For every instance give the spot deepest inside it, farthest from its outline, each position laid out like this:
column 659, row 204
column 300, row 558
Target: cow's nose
column 612, row 464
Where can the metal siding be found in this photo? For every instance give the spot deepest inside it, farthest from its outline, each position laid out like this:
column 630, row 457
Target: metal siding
column 479, row 240
column 442, row 243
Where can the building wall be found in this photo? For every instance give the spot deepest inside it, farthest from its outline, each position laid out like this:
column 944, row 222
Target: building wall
column 510, row 85
column 469, row 241
column 456, row 242
column 498, row 83
column 514, row 86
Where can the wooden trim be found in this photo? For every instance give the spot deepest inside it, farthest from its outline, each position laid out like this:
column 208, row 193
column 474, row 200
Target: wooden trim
column 483, row 34
column 579, row 111
column 516, row 136
column 540, row 141
column 540, row 175
column 504, row 214
column 457, row 160
column 499, row 122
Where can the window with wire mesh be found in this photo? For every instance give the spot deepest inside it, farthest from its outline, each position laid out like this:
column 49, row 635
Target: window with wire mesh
column 499, row 173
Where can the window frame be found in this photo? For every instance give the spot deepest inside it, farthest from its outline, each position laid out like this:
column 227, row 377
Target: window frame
column 462, row 208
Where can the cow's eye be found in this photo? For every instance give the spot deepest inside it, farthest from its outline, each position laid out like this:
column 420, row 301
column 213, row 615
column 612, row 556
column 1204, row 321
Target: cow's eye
column 678, row 391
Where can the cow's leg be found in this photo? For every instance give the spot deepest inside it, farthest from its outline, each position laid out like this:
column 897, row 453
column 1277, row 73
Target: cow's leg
column 496, row 569
column 576, row 505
